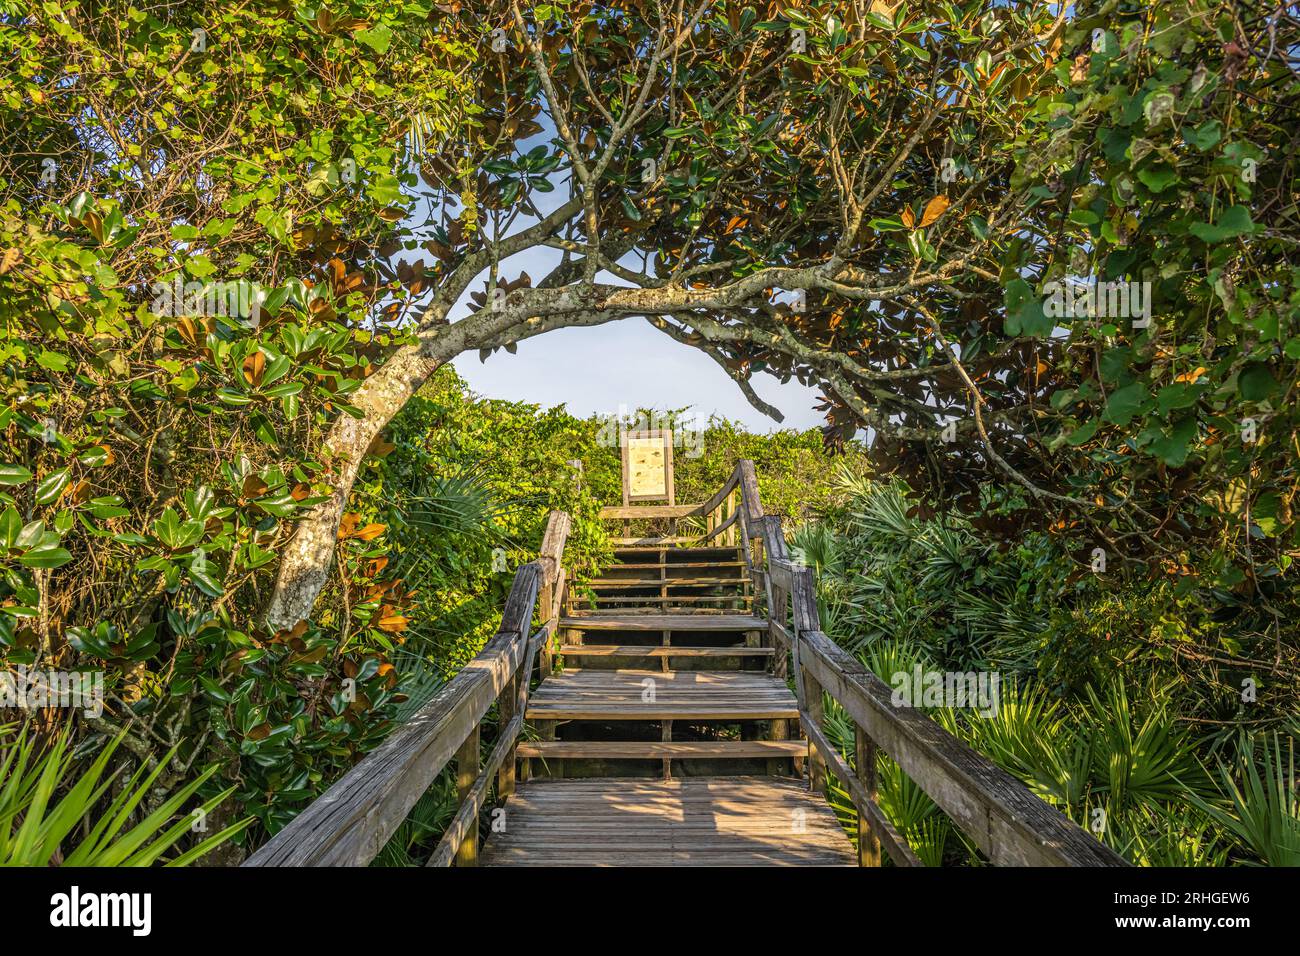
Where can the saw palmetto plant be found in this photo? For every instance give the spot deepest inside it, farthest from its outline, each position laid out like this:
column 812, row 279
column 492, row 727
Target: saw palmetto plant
column 55, row 812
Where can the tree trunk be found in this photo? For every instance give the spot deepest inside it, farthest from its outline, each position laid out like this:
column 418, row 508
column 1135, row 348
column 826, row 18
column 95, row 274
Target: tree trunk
column 305, row 565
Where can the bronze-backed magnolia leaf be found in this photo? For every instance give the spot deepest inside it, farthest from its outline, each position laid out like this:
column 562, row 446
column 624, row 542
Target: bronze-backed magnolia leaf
column 933, row 210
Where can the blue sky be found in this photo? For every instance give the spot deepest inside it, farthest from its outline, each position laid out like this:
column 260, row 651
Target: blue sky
column 594, row 371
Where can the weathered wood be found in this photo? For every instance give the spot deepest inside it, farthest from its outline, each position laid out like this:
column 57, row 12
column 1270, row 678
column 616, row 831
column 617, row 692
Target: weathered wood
column 672, row 622
column 899, row 850
column 748, row 481
column 628, row 541
column 726, row 696
column 465, row 822
column 654, row 749
column 690, row 821
column 677, row 650
column 865, row 771
column 998, row 812
column 814, row 712
column 467, row 772
column 615, row 512
column 350, row 823
column 507, row 709
column 602, row 584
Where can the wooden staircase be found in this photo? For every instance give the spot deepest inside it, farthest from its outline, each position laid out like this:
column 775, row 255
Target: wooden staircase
column 665, row 731
column 671, row 712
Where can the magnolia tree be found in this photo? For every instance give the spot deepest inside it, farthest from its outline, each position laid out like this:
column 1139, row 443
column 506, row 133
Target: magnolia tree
column 1038, row 244
column 1039, row 255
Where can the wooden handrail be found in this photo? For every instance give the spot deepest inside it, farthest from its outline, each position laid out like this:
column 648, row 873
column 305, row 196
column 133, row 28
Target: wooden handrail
column 350, row 823
column 998, row 812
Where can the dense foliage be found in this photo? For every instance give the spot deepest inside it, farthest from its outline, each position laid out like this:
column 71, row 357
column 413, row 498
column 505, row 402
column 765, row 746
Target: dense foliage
column 1107, row 711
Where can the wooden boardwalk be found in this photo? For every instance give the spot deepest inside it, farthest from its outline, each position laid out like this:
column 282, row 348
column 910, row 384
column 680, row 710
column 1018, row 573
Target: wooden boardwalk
column 713, row 821
column 671, row 714
column 649, row 613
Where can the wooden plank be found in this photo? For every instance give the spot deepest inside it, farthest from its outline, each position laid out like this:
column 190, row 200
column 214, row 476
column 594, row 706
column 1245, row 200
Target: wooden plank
column 651, row 511
column 748, row 481
column 654, row 749
column 646, row 566
column 623, row 541
column 604, row 583
column 677, row 650
column 691, row 821
column 1004, row 818
column 702, row 695
column 672, row 622
column 350, row 823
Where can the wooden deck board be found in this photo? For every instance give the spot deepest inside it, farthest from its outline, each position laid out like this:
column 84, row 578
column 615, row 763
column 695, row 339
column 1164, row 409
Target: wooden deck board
column 650, row 749
column 678, row 695
column 695, row 821
column 666, row 622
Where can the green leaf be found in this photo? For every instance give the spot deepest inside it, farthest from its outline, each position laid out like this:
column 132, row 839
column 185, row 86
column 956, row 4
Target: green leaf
column 1234, row 222
column 45, row 557
column 1256, row 383
column 1126, row 402
column 11, row 475
column 1025, row 310
column 377, row 38
column 51, row 486
column 1172, row 448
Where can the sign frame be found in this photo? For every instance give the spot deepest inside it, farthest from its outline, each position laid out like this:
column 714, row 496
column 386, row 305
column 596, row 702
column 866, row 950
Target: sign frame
column 665, row 435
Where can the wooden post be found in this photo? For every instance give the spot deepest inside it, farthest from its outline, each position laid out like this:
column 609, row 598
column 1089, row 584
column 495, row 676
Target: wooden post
column 666, row 734
column 546, row 731
column 816, row 711
column 868, row 841
column 777, row 729
column 467, row 765
column 731, row 510
column 507, row 705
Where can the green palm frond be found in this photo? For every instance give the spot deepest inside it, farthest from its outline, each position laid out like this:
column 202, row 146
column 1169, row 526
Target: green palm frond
column 1262, row 811
column 35, row 829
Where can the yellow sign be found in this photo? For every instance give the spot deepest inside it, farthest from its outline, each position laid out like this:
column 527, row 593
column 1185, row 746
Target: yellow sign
column 647, row 476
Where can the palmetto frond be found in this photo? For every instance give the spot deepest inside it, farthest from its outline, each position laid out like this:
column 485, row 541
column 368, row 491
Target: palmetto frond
column 1262, row 811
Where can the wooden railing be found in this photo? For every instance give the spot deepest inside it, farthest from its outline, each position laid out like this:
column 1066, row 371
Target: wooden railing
column 350, row 823
column 721, row 516
column 998, row 812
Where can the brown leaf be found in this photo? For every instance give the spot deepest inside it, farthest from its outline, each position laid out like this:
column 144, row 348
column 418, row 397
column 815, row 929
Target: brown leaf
column 933, row 210
column 255, row 368
column 254, row 487
column 909, row 217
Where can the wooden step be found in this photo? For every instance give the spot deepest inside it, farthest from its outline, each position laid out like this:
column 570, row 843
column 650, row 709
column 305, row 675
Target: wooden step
column 678, row 695
column 695, row 821
column 662, row 599
column 664, row 622
column 675, row 564
column 649, row 749
column 655, row 650
column 701, row 554
column 658, row 582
